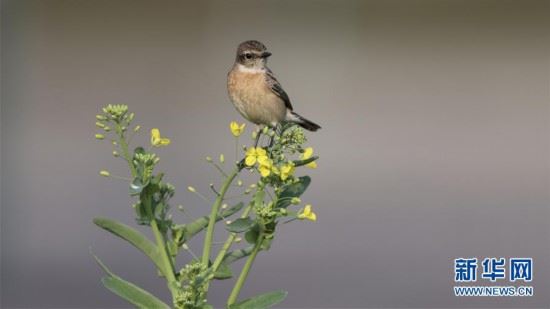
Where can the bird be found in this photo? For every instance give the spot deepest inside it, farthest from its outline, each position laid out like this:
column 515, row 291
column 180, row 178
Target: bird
column 256, row 93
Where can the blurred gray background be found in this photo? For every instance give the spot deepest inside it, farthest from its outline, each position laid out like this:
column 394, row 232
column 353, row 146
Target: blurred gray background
column 435, row 141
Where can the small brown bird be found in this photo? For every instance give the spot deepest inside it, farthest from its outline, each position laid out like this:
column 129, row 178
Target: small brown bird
column 255, row 91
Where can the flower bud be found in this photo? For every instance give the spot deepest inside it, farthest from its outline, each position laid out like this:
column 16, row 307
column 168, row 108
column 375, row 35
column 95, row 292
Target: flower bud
column 100, row 117
column 295, row 201
column 222, row 158
column 191, row 189
column 107, row 129
column 131, row 117
column 180, row 207
column 136, row 128
column 208, row 159
column 115, row 153
column 104, row 173
column 99, row 136
column 185, row 247
column 239, row 183
column 238, row 239
column 228, row 222
column 100, row 124
column 224, row 206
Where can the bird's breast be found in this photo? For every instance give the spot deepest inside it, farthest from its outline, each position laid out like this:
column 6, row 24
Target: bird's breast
column 253, row 99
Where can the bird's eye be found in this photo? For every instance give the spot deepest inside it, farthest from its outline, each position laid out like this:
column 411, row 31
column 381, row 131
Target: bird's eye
column 248, row 56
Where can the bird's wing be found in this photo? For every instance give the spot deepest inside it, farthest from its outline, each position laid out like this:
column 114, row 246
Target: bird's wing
column 277, row 89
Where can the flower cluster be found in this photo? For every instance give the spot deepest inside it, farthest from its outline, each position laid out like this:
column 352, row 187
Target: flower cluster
column 192, row 281
column 276, row 161
column 117, row 112
column 271, row 199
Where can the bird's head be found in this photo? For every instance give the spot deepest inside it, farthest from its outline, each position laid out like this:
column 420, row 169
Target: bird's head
column 252, row 54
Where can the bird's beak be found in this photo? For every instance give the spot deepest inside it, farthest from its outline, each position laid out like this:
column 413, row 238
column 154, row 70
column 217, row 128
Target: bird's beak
column 266, row 54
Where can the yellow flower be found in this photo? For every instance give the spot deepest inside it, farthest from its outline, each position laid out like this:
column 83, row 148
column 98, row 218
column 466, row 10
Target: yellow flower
column 307, row 213
column 265, row 166
column 236, row 129
column 157, row 140
column 254, row 154
column 308, row 152
column 286, row 171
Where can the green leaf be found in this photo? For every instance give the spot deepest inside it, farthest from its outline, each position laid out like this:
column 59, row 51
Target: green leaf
column 235, row 255
column 136, row 186
column 266, row 243
column 240, row 225
column 139, row 150
column 103, row 266
column 230, row 211
column 159, row 209
column 261, row 301
column 252, row 234
column 156, row 180
column 201, row 223
column 129, row 291
column 134, row 237
column 305, row 161
column 259, row 198
column 293, row 190
column 132, row 293
column 223, row 272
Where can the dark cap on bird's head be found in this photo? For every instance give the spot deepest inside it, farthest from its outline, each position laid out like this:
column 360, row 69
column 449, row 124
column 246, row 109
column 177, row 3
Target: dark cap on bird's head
column 252, row 50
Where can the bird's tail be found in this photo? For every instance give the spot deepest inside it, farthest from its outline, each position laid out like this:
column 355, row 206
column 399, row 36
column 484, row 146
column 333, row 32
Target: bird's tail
column 303, row 122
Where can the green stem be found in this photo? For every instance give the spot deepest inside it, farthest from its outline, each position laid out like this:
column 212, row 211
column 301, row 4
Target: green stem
column 229, row 242
column 236, row 148
column 161, row 244
column 244, row 273
column 125, row 152
column 258, row 202
column 168, row 266
column 214, row 213
column 166, row 261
